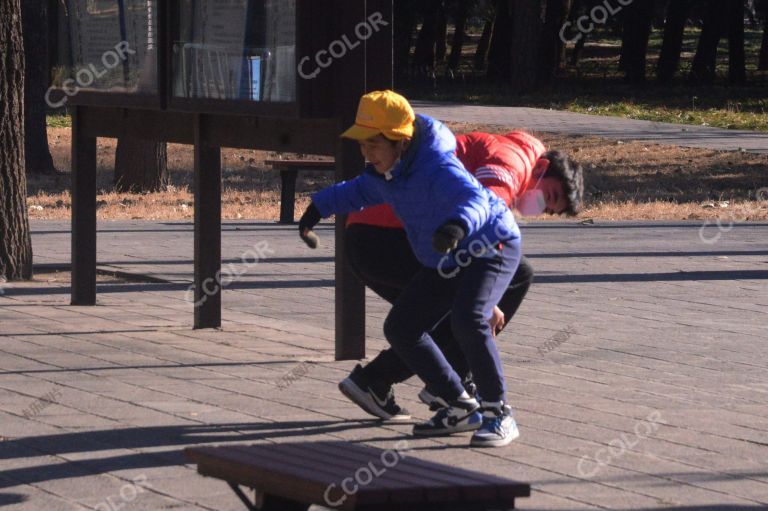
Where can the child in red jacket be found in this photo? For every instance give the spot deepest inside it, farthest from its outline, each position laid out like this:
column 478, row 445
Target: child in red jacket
column 515, row 166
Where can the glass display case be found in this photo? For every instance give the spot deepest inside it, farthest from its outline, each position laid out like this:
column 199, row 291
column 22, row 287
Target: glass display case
column 238, row 50
column 112, row 47
column 265, row 58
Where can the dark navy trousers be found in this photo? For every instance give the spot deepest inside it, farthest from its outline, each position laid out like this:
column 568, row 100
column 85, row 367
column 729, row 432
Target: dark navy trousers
column 382, row 259
column 468, row 293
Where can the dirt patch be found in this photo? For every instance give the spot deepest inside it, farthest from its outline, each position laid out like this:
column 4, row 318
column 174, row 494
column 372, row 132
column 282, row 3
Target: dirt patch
column 624, row 181
column 56, row 274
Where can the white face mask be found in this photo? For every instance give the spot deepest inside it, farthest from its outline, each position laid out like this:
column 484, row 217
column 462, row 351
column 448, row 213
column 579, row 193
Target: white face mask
column 532, row 202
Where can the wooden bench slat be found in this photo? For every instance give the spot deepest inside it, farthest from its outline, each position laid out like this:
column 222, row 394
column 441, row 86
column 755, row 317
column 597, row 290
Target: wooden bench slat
column 393, row 485
column 316, row 465
column 507, row 488
column 304, row 485
column 371, row 495
column 451, row 471
column 475, row 484
column 437, row 486
column 319, row 165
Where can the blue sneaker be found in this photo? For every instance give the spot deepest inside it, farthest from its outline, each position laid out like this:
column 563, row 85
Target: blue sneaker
column 499, row 427
column 461, row 415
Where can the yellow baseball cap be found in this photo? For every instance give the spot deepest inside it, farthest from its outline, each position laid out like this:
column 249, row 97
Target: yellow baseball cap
column 382, row 112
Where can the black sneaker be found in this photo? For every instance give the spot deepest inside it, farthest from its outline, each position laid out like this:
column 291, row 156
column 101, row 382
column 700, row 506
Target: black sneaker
column 377, row 402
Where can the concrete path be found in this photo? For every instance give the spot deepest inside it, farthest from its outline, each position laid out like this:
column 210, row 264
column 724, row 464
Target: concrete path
column 638, row 368
column 571, row 123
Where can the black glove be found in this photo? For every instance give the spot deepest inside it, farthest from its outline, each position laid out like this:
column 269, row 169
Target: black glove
column 448, row 236
column 308, row 221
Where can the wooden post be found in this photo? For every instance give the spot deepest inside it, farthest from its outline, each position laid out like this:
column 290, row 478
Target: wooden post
column 207, row 306
column 83, row 212
column 287, row 195
column 349, row 85
column 367, row 68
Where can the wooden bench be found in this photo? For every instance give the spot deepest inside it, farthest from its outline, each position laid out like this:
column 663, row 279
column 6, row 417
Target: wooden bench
column 289, row 170
column 343, row 475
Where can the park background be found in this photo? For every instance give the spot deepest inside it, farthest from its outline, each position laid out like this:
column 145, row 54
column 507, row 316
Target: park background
column 692, row 62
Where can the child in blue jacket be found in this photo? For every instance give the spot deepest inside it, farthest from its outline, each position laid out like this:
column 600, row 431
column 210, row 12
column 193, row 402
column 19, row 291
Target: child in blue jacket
column 466, row 239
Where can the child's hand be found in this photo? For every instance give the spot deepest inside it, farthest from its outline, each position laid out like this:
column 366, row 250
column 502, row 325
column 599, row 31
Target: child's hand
column 310, row 238
column 308, row 220
column 496, row 321
column 447, row 237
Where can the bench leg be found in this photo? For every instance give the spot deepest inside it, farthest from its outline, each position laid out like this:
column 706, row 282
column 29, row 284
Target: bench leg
column 287, row 195
column 264, row 502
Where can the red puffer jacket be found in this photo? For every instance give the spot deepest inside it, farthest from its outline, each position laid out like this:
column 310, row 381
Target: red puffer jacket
column 502, row 163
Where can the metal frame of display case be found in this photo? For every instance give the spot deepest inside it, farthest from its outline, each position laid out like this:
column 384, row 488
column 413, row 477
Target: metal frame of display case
column 323, row 108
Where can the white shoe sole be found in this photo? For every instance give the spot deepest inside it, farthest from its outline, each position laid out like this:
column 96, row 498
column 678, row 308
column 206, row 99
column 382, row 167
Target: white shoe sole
column 364, row 400
column 501, row 442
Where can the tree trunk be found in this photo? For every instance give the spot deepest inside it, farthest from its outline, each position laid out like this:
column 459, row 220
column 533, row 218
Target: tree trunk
column 763, row 64
column 140, row 166
column 526, row 45
column 705, row 61
column 405, row 23
column 577, row 49
column 481, row 53
column 737, row 71
column 15, row 240
column 35, row 31
column 442, row 34
column 551, row 60
column 458, row 35
column 424, row 55
column 674, row 27
column 500, row 50
column 638, row 18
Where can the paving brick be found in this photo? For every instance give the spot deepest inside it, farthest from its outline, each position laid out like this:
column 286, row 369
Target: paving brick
column 137, row 384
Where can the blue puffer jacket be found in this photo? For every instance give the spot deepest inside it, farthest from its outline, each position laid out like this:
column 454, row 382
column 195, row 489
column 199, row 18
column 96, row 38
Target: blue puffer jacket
column 427, row 188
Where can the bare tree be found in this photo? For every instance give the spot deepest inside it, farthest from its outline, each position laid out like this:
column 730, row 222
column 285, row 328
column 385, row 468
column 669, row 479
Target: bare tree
column 460, row 23
column 552, row 49
column 35, row 20
column 405, row 14
column 674, row 27
column 762, row 5
column 737, row 71
column 705, row 61
column 526, row 44
column 15, row 240
column 763, row 64
column 481, row 53
column 140, row 165
column 441, row 47
column 638, row 18
column 499, row 53
column 424, row 54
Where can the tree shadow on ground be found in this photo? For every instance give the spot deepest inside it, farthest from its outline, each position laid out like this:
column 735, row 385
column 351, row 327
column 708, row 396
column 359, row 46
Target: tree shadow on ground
column 149, row 438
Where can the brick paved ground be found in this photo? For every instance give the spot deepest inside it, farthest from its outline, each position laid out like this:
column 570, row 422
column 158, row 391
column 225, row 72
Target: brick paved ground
column 637, row 366
column 558, row 121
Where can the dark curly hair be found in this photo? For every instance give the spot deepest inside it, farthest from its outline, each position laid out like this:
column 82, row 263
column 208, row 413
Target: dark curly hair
column 570, row 173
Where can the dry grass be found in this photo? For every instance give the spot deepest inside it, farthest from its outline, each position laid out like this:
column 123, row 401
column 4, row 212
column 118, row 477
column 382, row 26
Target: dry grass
column 624, row 181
